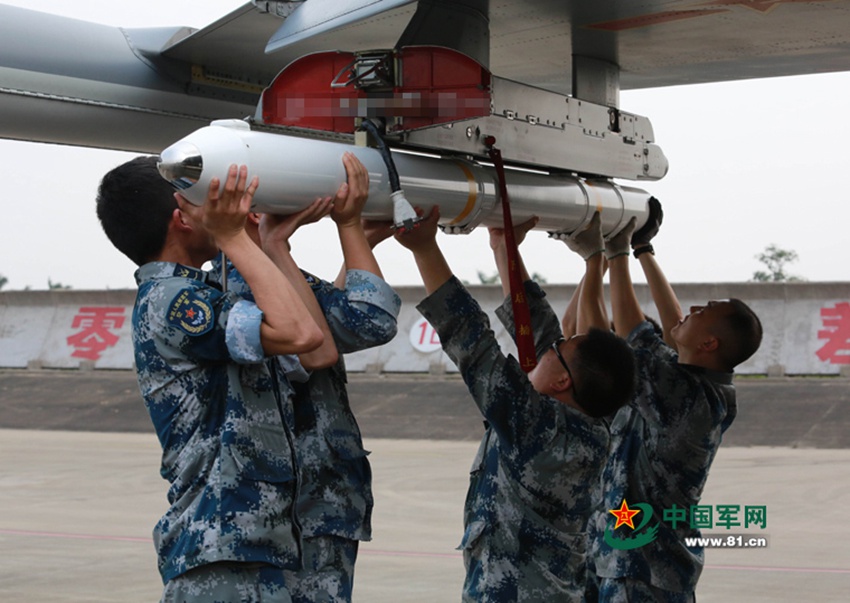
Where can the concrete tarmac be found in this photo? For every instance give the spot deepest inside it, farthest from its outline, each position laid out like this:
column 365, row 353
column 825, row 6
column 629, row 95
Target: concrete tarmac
column 78, row 508
column 796, row 412
column 80, row 490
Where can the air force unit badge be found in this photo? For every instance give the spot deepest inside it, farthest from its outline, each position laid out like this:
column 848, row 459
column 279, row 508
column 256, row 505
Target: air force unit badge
column 190, row 313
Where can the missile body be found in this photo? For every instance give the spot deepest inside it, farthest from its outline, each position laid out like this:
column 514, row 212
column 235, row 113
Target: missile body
column 294, row 171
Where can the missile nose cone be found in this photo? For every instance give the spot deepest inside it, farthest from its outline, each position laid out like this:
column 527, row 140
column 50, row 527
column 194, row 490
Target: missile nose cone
column 181, row 164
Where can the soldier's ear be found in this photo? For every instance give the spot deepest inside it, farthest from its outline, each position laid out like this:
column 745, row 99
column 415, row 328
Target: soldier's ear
column 710, row 344
column 178, row 221
column 562, row 384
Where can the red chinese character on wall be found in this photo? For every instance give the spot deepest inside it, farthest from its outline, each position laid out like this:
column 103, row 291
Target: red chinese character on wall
column 95, row 337
column 836, row 322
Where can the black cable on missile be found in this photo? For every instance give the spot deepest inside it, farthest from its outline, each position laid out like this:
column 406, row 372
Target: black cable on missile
column 369, row 126
column 404, row 216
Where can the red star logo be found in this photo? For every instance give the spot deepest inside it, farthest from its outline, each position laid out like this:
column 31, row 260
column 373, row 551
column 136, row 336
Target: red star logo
column 190, row 313
column 624, row 515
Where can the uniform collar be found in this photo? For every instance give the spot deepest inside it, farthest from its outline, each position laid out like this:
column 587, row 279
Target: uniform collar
column 716, row 376
column 160, row 270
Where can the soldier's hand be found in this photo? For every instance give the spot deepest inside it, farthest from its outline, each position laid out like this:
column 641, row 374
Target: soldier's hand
column 588, row 242
column 497, row 234
column 226, row 208
column 653, row 223
column 424, row 234
column 351, row 197
column 619, row 244
column 276, row 229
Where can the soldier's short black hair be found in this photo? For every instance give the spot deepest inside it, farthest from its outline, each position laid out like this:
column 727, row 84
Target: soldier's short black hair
column 740, row 334
column 134, row 206
column 604, row 372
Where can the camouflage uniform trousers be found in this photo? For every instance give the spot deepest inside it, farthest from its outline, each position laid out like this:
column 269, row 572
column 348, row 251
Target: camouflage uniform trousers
column 228, row 583
column 628, row 590
column 328, row 574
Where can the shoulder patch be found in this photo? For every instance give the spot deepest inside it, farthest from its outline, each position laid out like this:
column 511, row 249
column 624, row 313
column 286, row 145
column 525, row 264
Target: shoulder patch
column 190, row 313
column 187, row 272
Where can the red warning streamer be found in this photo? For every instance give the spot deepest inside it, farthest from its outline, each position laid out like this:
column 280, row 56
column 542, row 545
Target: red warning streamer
column 522, row 314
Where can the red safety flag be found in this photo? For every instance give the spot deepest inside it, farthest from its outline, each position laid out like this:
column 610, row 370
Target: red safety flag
column 522, row 314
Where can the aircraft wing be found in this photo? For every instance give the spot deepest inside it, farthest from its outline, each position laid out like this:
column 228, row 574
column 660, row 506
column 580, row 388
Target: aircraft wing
column 655, row 43
column 661, row 43
column 235, row 44
column 72, row 82
column 232, row 49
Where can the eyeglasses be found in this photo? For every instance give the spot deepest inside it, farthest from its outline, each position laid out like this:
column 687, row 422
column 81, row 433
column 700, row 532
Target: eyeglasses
column 556, row 348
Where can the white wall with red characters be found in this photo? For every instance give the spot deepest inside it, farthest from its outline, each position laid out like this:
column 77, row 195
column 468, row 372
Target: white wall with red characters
column 806, row 325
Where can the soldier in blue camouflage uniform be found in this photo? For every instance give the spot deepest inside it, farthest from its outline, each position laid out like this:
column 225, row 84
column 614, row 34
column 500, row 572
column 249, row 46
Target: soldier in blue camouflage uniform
column 335, row 502
column 360, row 311
column 221, row 409
column 543, row 450
column 335, row 496
column 664, row 441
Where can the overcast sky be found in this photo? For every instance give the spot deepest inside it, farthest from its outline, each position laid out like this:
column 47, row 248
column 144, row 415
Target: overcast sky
column 752, row 163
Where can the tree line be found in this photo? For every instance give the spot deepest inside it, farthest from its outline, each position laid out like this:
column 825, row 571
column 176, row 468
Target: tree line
column 774, row 258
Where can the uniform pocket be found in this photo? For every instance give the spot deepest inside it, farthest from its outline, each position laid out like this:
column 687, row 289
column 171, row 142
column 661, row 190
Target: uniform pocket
column 472, row 535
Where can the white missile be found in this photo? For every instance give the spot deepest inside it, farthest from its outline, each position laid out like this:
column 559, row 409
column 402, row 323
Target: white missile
column 294, row 171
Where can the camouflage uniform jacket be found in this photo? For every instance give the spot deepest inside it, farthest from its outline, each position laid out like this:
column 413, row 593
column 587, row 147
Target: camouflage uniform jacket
column 224, row 419
column 336, row 479
column 663, row 444
column 531, row 482
column 289, row 363
column 544, row 324
column 336, row 495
